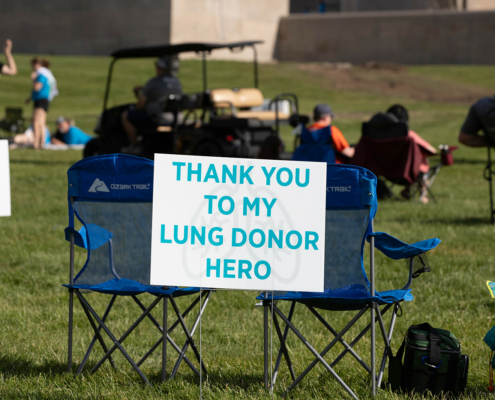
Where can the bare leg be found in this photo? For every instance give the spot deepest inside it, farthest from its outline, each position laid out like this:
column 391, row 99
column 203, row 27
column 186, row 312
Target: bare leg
column 129, row 129
column 39, row 124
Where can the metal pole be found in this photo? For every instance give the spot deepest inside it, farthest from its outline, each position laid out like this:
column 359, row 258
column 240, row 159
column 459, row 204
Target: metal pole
column 390, row 333
column 71, row 294
column 164, row 348
column 372, row 311
column 255, row 67
column 205, row 85
column 489, row 178
column 107, row 90
column 265, row 340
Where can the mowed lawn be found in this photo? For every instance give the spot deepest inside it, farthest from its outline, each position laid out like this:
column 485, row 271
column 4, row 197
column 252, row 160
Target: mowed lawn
column 34, row 257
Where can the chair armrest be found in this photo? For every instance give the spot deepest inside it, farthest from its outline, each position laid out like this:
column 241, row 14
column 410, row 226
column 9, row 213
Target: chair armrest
column 98, row 236
column 397, row 249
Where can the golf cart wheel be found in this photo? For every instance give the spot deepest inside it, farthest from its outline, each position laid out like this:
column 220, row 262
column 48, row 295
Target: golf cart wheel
column 94, row 147
column 208, row 149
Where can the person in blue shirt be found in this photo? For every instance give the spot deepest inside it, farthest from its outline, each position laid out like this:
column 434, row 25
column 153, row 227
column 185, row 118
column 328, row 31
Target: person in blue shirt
column 69, row 134
column 40, row 96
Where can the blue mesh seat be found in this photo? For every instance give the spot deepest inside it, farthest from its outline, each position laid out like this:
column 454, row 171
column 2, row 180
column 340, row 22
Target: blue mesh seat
column 110, row 198
column 315, row 145
column 350, row 208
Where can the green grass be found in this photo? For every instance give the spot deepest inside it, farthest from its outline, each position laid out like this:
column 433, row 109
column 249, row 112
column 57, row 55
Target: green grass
column 34, row 260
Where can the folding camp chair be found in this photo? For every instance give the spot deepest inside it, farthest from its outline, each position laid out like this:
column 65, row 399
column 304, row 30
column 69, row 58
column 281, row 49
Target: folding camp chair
column 488, row 174
column 315, row 146
column 387, row 150
column 349, row 221
column 111, row 196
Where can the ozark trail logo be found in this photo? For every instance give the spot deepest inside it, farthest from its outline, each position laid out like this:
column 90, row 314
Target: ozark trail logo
column 339, row 189
column 98, row 186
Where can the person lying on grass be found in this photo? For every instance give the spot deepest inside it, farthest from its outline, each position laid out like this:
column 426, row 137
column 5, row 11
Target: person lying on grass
column 68, row 133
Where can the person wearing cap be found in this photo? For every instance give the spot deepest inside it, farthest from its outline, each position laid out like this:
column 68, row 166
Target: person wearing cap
column 69, row 134
column 151, row 101
column 322, row 115
column 9, row 68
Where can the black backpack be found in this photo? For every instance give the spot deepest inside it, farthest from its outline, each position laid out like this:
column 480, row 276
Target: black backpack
column 433, row 362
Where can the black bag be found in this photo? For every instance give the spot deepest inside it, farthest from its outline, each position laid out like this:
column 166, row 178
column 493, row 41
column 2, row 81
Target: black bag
column 433, row 362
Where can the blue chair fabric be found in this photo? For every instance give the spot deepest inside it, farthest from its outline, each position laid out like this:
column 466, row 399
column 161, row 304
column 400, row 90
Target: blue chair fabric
column 315, row 145
column 351, row 207
column 110, row 197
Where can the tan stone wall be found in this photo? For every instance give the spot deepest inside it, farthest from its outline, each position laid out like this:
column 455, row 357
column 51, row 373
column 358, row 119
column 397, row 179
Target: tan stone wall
column 476, row 5
column 408, row 37
column 220, row 21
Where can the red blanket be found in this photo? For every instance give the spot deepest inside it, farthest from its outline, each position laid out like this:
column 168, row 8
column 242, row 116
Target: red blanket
column 396, row 159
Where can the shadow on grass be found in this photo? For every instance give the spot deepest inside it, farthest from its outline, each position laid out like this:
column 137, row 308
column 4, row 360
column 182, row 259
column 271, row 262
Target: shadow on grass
column 472, row 221
column 215, row 380
column 42, row 162
column 11, row 366
column 470, row 162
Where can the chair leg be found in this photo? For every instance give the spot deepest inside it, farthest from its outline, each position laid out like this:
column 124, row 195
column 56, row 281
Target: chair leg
column 92, row 322
column 284, row 349
column 358, row 338
column 117, row 343
column 189, row 340
column 284, row 338
column 372, row 362
column 265, row 343
column 93, row 341
column 71, row 312
column 164, row 340
column 319, row 356
column 342, row 341
column 385, row 352
column 169, row 339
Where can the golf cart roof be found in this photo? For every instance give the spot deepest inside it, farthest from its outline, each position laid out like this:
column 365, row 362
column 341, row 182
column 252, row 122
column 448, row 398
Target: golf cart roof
column 170, row 49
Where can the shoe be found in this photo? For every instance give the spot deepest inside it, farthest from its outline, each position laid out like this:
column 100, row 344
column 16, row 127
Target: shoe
column 406, row 193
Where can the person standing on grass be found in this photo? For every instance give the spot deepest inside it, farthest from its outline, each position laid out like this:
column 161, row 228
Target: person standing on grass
column 481, row 117
column 9, row 68
column 40, row 96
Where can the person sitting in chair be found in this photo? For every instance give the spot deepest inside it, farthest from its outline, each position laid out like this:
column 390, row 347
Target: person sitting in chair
column 427, row 149
column 322, row 115
column 481, row 117
column 150, row 101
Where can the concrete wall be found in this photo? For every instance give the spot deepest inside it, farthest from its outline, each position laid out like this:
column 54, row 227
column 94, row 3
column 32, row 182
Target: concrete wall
column 220, row 21
column 92, row 27
column 480, row 4
column 300, row 6
column 411, row 37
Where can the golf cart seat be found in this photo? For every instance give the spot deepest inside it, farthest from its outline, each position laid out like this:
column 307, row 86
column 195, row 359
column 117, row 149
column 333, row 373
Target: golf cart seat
column 243, row 99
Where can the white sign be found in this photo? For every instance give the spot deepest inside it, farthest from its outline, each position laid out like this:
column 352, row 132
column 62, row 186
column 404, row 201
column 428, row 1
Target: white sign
column 238, row 223
column 4, row 179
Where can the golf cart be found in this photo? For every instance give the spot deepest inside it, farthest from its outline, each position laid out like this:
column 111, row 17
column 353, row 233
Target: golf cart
column 212, row 122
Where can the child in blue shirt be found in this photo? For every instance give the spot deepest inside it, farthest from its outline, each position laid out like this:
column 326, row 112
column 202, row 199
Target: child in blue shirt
column 40, row 96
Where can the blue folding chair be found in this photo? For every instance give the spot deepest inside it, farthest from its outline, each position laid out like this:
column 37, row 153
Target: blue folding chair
column 351, row 206
column 111, row 196
column 315, row 146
